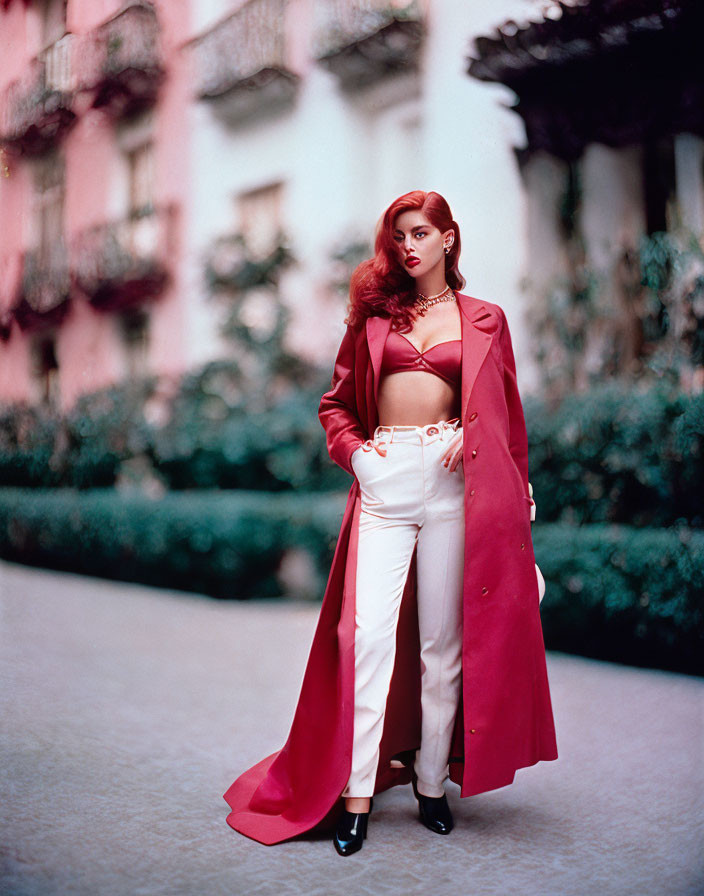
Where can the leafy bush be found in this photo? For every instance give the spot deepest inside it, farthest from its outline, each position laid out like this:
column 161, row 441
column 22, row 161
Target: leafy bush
column 613, row 592
column 41, row 448
column 617, row 455
column 103, row 430
column 226, row 544
column 215, row 439
column 29, row 439
column 215, row 436
column 610, row 455
column 624, row 594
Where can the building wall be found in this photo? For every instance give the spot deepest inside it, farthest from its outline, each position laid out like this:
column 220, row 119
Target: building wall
column 89, row 347
column 348, row 154
column 340, row 157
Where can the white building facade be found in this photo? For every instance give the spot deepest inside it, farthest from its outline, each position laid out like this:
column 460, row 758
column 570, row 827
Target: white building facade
column 310, row 116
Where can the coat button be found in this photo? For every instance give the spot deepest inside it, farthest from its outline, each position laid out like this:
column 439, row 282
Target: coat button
column 472, row 416
column 472, row 730
column 474, row 452
column 485, row 590
column 471, row 491
column 523, row 547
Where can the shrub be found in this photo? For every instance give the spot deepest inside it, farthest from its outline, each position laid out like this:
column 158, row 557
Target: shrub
column 616, row 455
column 226, row 544
column 215, row 436
column 29, row 440
column 214, row 440
column 624, row 594
column 613, row 592
column 609, row 455
column 104, row 429
column 41, row 447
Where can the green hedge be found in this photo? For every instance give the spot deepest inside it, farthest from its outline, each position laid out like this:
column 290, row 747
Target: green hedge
column 613, row 592
column 226, row 544
column 619, row 593
column 610, row 455
column 252, row 443
column 84, row 448
column 617, row 454
column 214, row 436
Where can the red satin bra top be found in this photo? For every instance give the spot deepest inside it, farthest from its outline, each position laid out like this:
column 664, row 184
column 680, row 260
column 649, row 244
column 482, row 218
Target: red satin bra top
column 444, row 359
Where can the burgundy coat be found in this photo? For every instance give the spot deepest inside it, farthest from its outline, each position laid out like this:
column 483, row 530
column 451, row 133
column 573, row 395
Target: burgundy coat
column 504, row 721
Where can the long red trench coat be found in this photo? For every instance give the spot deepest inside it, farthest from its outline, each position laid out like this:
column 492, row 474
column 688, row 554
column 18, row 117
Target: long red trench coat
column 504, row 720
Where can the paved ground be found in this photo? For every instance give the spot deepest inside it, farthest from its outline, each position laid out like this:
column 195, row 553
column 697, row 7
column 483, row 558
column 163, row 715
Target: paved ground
column 127, row 711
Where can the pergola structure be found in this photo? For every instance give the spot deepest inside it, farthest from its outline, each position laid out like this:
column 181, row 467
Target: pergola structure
column 616, row 72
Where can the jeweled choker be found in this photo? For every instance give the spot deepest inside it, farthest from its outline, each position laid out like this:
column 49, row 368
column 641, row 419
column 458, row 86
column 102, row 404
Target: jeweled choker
column 424, row 302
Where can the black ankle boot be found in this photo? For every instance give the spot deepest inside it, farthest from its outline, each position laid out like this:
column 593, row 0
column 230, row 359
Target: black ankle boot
column 434, row 812
column 351, row 831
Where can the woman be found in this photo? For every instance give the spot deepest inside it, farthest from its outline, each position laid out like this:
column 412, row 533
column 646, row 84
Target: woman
column 428, row 658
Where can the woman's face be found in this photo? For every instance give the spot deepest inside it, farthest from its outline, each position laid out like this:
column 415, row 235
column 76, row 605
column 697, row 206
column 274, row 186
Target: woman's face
column 421, row 246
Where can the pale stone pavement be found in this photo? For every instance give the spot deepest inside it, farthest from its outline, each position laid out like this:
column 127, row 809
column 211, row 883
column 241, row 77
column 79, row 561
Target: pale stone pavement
column 127, row 712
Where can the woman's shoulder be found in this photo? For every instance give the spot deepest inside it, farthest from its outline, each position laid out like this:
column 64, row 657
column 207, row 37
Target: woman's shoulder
column 475, row 302
column 483, row 310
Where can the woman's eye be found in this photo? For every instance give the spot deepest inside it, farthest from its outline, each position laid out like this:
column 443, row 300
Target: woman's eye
column 421, row 233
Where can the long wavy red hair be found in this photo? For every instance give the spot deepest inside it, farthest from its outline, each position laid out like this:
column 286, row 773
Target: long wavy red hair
column 380, row 286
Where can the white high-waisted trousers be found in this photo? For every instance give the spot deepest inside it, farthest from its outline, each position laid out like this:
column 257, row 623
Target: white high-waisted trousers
column 408, row 497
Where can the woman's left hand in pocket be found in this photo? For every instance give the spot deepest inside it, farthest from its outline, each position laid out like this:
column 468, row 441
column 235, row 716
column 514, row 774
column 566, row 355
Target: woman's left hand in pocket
column 453, row 456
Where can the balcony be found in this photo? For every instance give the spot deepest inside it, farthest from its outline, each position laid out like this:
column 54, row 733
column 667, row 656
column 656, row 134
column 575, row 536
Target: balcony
column 125, row 61
column 45, row 288
column 363, row 41
column 121, row 264
column 6, row 4
column 242, row 63
column 37, row 109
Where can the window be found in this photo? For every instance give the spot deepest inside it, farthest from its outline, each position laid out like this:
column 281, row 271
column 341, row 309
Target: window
column 134, row 328
column 260, row 218
column 52, row 18
column 659, row 184
column 48, row 204
column 140, row 165
column 45, row 370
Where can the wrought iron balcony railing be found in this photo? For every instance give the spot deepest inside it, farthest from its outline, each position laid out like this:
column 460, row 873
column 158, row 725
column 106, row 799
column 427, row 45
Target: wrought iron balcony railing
column 363, row 41
column 125, row 62
column 45, row 287
column 37, row 109
column 244, row 61
column 118, row 264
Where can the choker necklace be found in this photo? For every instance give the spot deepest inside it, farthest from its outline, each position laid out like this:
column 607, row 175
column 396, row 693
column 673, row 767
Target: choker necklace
column 424, row 302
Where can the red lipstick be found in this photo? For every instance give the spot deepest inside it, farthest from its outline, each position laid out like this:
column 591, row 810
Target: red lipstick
column 411, row 261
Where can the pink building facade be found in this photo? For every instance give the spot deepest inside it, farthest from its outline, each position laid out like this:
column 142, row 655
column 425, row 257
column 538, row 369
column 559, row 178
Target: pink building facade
column 137, row 138
column 92, row 193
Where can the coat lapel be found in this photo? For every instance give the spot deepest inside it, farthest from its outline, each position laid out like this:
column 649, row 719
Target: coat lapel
column 475, row 343
column 377, row 331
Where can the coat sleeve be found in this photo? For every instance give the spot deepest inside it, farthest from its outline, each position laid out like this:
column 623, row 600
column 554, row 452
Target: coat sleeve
column 338, row 407
column 518, row 437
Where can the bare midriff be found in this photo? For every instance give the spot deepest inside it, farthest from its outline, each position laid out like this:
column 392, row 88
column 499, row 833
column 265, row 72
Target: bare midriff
column 420, row 397
column 416, row 398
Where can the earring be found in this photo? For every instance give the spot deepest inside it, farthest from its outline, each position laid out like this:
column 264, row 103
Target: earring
column 447, row 250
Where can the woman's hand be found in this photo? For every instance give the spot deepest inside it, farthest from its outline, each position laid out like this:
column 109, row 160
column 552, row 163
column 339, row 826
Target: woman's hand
column 453, row 456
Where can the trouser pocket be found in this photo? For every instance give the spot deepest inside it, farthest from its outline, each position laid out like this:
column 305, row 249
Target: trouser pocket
column 372, row 471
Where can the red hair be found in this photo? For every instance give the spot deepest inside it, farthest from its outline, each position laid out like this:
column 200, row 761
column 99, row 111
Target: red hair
column 380, row 286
